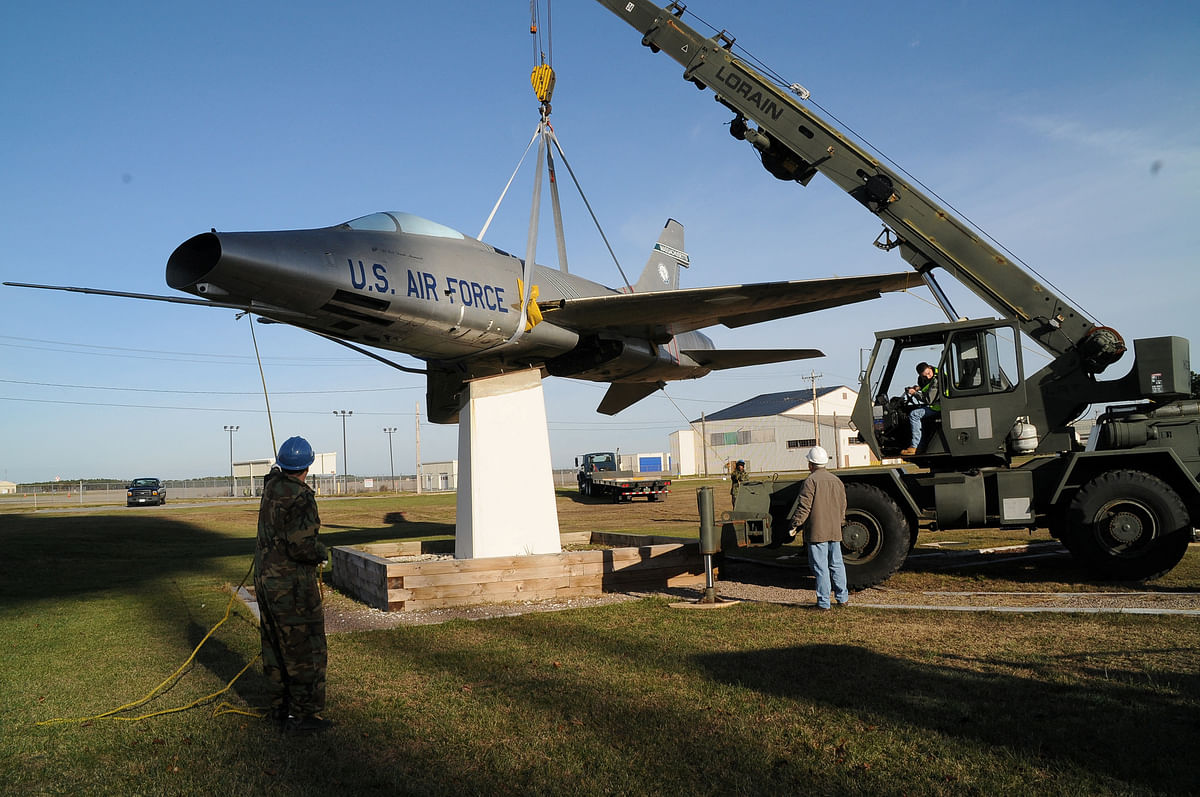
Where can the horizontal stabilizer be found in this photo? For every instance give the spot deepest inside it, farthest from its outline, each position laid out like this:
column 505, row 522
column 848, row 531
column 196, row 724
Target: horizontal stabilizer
column 624, row 394
column 720, row 359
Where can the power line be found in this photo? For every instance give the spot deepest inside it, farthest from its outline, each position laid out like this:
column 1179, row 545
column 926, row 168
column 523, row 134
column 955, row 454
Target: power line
column 211, row 392
column 184, row 409
column 142, row 353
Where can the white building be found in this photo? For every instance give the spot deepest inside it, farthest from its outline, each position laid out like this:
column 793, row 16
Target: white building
column 772, row 433
column 438, row 476
column 7, row 488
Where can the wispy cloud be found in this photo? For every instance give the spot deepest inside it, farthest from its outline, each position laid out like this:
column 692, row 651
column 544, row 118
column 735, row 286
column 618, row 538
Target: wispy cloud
column 1133, row 146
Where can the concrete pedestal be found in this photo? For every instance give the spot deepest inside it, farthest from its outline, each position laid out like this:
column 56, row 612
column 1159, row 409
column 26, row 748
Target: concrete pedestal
column 505, row 484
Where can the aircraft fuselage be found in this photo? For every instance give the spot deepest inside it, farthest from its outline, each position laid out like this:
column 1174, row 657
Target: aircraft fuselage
column 434, row 294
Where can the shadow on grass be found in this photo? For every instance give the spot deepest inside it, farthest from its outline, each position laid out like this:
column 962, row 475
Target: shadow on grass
column 352, row 535
column 1038, row 719
column 67, row 555
column 766, row 568
column 675, row 717
column 64, row 555
column 1034, row 568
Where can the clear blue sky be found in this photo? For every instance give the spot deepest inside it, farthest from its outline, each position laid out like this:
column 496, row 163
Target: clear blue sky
column 1068, row 131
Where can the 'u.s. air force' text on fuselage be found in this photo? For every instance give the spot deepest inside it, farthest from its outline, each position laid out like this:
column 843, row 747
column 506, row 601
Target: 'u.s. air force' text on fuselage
column 423, row 285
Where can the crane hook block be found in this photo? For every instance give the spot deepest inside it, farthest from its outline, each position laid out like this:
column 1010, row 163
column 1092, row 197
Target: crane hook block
column 543, row 82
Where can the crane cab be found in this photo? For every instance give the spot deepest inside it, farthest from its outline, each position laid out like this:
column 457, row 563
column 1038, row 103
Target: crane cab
column 979, row 373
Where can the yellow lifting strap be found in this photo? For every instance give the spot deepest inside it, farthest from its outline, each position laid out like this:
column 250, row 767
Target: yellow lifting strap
column 542, row 79
column 533, row 313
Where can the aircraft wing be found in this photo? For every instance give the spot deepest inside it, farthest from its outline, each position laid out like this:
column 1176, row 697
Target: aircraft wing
column 660, row 314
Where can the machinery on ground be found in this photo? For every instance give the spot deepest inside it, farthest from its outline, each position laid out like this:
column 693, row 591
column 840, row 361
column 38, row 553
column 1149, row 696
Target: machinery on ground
column 1002, row 451
column 598, row 475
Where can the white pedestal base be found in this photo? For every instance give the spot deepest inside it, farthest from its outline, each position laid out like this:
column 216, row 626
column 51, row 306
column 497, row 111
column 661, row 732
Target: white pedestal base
column 505, row 487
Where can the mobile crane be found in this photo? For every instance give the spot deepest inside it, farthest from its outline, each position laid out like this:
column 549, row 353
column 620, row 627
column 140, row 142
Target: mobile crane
column 1002, row 453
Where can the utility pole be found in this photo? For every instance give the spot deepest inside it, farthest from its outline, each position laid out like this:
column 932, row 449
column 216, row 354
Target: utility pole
column 389, row 431
column 345, row 458
column 813, row 375
column 418, row 421
column 837, row 443
column 232, row 479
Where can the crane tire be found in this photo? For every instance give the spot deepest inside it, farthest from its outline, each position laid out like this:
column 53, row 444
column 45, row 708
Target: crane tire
column 876, row 538
column 1127, row 525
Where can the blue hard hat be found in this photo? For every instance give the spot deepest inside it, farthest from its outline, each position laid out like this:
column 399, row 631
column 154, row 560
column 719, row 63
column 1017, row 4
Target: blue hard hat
column 295, row 454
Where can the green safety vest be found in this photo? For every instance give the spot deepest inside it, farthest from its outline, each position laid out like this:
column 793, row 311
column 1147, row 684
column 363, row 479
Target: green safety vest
column 936, row 406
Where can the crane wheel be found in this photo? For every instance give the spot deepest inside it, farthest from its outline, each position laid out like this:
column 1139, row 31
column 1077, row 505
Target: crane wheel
column 1127, row 525
column 876, row 538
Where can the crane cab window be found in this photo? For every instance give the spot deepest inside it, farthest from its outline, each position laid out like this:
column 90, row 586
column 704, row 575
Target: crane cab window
column 983, row 361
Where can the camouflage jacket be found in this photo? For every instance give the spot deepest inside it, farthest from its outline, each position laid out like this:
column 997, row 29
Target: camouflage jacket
column 287, row 528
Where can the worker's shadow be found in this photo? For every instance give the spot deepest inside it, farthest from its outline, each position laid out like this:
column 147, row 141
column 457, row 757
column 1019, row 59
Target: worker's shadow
column 252, row 689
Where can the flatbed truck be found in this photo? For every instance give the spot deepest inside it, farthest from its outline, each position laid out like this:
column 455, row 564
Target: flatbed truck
column 598, row 476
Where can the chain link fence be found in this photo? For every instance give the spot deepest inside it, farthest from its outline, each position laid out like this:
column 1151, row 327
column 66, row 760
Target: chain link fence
column 68, row 494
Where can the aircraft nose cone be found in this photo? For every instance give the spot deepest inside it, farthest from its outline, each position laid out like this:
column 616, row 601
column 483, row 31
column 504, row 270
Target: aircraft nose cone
column 192, row 261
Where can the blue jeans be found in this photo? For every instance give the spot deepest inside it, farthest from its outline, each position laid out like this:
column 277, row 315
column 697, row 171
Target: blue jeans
column 916, row 417
column 825, row 561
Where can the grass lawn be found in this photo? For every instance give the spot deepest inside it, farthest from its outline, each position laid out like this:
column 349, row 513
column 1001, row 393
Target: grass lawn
column 630, row 698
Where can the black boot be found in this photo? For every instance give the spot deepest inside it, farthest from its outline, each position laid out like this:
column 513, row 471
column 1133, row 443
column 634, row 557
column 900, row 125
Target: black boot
column 309, row 723
column 278, row 715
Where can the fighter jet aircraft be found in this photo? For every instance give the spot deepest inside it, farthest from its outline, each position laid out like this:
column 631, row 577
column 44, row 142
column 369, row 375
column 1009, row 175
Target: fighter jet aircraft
column 399, row 282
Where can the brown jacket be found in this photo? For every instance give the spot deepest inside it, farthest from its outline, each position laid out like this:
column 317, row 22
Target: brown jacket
column 821, row 511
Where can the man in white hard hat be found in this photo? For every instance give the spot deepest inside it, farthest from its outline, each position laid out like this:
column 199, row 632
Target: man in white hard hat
column 821, row 512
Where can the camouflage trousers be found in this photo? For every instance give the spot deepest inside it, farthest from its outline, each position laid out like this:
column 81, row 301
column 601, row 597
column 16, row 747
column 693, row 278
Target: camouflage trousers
column 292, row 627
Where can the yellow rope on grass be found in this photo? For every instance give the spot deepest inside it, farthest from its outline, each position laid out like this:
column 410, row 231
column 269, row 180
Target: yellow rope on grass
column 109, row 715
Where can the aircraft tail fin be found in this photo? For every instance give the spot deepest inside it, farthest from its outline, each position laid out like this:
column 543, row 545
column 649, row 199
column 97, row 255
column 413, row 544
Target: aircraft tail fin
column 625, row 394
column 662, row 269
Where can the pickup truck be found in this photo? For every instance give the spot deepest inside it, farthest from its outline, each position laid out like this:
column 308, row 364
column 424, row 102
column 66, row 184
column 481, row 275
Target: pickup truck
column 145, row 491
column 598, row 475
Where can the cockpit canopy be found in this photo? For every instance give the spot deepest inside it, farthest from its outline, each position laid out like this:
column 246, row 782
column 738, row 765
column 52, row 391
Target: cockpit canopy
column 393, row 221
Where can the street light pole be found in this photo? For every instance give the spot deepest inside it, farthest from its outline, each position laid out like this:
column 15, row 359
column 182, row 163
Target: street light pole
column 232, row 480
column 345, row 459
column 389, row 431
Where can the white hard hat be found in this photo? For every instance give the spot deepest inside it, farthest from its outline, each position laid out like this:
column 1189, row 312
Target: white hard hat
column 818, row 456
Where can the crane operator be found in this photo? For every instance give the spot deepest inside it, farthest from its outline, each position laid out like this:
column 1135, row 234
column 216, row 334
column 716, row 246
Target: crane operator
column 928, row 399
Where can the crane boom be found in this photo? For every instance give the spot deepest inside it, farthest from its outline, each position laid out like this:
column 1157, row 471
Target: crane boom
column 795, row 143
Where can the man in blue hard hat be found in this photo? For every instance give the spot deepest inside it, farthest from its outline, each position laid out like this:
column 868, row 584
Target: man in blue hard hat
column 287, row 587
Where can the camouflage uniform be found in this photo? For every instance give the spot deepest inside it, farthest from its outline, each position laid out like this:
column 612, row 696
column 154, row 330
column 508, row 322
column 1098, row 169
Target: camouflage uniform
column 292, row 620
column 736, row 476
